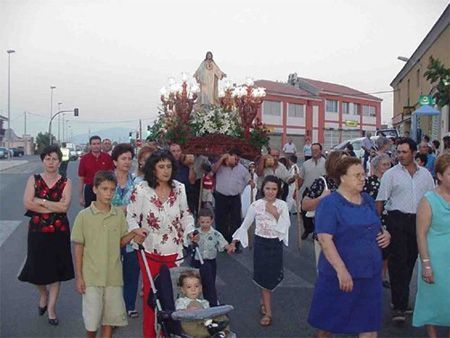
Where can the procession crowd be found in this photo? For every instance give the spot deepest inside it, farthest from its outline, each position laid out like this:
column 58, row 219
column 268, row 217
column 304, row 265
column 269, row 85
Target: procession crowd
column 370, row 220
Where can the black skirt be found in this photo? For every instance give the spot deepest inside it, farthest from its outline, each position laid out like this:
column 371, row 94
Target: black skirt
column 267, row 262
column 49, row 258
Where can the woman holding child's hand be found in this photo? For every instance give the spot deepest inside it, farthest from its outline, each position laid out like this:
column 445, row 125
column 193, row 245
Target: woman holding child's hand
column 272, row 221
column 158, row 204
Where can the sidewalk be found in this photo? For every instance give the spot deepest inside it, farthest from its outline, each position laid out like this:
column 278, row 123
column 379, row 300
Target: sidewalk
column 7, row 164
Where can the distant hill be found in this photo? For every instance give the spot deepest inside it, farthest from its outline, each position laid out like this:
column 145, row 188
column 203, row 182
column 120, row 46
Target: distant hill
column 115, row 134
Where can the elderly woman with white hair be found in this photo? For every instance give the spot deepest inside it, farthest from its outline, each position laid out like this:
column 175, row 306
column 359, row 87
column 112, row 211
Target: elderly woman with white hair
column 379, row 164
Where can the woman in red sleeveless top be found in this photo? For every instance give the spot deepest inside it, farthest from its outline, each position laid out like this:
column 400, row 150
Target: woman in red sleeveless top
column 49, row 259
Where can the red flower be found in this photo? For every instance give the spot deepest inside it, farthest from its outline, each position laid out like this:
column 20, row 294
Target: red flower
column 133, row 195
column 63, row 228
column 35, row 219
column 38, row 183
column 51, row 228
column 42, row 194
column 55, row 196
column 45, row 216
column 58, row 223
column 45, row 229
column 172, row 198
column 156, row 202
column 153, row 222
column 165, row 238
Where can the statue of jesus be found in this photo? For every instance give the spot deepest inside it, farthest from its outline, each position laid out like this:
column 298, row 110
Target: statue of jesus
column 208, row 75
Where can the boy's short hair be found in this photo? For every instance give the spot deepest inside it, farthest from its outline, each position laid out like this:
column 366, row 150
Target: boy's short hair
column 102, row 176
column 206, row 212
column 188, row 274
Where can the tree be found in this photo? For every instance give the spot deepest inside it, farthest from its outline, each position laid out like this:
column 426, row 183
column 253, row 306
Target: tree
column 43, row 140
column 439, row 76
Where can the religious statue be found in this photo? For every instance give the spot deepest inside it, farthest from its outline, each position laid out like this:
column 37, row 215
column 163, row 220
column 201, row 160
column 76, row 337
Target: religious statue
column 208, row 75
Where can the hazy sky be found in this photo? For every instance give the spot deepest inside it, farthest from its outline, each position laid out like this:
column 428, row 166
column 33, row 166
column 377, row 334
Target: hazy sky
column 110, row 58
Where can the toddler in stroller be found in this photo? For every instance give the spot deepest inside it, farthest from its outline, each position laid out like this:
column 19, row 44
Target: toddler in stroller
column 191, row 288
column 190, row 316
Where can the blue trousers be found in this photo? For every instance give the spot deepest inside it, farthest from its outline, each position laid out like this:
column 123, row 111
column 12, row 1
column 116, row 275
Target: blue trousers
column 130, row 271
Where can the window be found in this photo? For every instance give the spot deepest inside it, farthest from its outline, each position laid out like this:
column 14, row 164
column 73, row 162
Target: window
column 331, row 106
column 345, row 108
column 369, row 111
column 296, row 110
column 356, row 109
column 272, row 108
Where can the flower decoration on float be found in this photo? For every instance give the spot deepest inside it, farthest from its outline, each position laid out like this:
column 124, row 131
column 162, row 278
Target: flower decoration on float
column 248, row 99
column 183, row 121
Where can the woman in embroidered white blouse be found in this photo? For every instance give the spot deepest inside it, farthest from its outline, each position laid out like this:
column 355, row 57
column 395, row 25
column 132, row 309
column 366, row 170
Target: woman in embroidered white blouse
column 159, row 205
column 272, row 221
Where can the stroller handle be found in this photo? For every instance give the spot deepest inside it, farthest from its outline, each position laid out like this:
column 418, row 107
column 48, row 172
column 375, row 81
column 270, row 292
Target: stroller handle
column 202, row 314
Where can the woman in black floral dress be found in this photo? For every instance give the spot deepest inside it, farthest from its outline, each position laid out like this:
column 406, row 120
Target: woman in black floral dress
column 379, row 165
column 49, row 259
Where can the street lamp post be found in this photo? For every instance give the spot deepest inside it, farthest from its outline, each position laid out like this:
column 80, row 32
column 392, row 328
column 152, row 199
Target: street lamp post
column 9, row 51
column 75, row 113
column 59, row 122
column 51, row 101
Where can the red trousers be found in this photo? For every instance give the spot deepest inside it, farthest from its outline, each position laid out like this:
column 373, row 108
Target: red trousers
column 149, row 313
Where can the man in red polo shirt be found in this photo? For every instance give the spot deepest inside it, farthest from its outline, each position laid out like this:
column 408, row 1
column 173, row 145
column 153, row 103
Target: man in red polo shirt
column 90, row 163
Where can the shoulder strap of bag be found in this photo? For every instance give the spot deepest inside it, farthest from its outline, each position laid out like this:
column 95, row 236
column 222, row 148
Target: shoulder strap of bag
column 325, row 182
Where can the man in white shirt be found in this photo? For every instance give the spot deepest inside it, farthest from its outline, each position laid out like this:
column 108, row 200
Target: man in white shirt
column 367, row 145
column 231, row 179
column 309, row 172
column 401, row 190
column 289, row 148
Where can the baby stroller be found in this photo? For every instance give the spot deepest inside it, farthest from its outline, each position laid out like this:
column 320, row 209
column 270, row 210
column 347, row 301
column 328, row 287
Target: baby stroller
column 162, row 299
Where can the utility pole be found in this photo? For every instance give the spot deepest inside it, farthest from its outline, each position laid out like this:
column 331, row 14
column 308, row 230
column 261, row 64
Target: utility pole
column 140, row 129
column 24, row 122
column 59, row 123
column 63, row 129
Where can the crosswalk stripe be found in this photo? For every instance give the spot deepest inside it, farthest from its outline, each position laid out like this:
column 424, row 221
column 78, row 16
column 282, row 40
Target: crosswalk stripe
column 6, row 229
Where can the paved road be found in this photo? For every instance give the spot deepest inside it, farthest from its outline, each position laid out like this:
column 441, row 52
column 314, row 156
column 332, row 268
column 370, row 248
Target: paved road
column 19, row 300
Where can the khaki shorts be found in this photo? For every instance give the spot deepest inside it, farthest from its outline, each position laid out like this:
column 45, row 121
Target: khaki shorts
column 103, row 306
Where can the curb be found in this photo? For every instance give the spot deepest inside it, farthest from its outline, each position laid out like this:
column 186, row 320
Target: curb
column 4, row 165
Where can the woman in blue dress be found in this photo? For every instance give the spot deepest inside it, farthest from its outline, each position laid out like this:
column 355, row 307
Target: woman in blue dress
column 432, row 306
column 348, row 291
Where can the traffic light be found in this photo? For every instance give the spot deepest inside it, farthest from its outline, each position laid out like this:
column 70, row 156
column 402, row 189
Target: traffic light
column 75, row 112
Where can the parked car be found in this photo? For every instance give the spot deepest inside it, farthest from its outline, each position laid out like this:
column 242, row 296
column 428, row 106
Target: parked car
column 73, row 151
column 356, row 143
column 390, row 132
column 17, row 152
column 4, row 152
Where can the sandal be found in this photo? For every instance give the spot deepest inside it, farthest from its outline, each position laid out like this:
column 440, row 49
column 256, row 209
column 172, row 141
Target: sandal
column 262, row 309
column 133, row 314
column 266, row 320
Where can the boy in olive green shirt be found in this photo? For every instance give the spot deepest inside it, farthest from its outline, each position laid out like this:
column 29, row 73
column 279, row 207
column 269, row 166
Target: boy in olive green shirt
column 99, row 232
